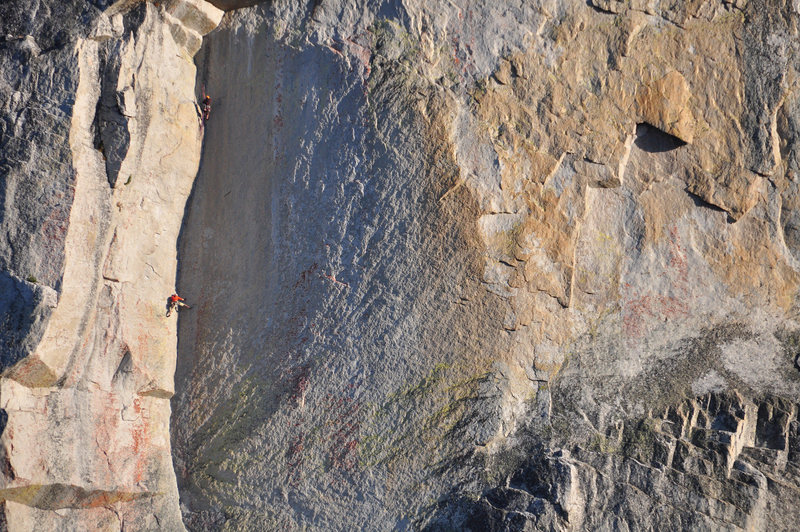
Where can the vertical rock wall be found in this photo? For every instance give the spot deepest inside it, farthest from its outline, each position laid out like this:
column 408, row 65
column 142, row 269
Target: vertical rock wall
column 481, row 265
column 454, row 264
column 324, row 268
column 101, row 141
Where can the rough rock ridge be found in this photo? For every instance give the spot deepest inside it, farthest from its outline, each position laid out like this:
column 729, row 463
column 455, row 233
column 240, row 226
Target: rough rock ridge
column 99, row 144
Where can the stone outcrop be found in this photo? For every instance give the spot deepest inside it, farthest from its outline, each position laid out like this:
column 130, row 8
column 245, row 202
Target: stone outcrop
column 714, row 462
column 472, row 265
column 100, row 145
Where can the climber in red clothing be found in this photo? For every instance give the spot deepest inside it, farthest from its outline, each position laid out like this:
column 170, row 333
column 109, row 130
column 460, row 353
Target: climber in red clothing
column 174, row 302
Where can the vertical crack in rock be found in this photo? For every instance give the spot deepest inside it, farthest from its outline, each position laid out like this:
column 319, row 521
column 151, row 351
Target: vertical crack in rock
column 114, row 116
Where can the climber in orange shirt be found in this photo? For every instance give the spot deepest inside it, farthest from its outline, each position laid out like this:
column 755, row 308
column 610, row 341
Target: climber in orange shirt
column 205, row 106
column 174, row 302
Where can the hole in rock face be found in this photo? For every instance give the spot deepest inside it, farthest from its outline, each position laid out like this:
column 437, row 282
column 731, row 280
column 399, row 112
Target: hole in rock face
column 228, row 5
column 652, row 140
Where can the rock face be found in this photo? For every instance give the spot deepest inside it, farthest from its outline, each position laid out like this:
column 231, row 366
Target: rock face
column 493, row 266
column 455, row 265
column 100, row 144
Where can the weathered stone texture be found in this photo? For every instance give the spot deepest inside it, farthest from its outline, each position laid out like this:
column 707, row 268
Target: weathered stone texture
column 498, row 248
column 455, row 265
column 100, row 144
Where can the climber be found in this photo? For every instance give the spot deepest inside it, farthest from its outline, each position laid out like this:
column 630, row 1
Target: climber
column 205, row 106
column 174, row 302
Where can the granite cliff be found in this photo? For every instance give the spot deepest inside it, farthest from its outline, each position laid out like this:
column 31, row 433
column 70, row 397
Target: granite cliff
column 99, row 146
column 454, row 265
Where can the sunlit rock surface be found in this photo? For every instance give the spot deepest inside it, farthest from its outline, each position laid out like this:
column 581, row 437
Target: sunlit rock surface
column 99, row 146
column 454, row 265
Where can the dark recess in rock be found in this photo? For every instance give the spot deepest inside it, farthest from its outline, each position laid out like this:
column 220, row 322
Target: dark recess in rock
column 526, row 499
column 229, row 5
column 653, row 140
column 112, row 137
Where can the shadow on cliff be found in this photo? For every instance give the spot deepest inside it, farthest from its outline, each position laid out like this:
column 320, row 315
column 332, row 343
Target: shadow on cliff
column 652, row 140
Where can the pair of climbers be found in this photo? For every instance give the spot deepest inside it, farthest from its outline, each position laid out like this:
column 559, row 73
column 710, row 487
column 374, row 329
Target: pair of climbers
column 174, row 302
